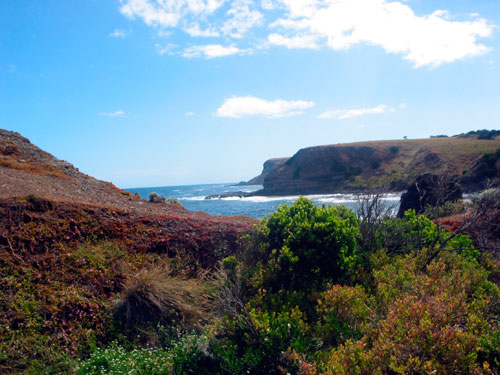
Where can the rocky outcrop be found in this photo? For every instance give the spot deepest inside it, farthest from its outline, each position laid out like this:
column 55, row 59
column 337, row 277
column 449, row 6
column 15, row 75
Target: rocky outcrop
column 269, row 165
column 429, row 190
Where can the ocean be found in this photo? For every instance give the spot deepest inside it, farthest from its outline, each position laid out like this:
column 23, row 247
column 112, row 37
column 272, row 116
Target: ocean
column 192, row 197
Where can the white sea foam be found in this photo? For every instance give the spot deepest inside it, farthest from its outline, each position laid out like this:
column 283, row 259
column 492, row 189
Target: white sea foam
column 321, row 198
column 260, row 199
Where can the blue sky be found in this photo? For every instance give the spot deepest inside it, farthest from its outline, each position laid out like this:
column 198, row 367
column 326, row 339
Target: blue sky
column 171, row 92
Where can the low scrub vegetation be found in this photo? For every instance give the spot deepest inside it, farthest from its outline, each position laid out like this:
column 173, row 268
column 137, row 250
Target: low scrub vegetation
column 312, row 290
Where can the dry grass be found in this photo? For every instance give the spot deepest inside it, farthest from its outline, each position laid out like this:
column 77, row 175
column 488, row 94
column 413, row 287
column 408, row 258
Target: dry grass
column 43, row 169
column 454, row 155
column 152, row 296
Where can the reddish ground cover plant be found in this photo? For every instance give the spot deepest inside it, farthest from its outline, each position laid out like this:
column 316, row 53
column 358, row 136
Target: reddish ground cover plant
column 62, row 264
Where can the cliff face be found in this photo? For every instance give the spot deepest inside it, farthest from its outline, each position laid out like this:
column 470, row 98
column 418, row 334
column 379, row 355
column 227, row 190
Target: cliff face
column 269, row 165
column 387, row 165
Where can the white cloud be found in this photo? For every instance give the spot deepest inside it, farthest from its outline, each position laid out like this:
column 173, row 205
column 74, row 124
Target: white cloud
column 267, row 4
column 163, row 49
column 422, row 39
column 164, row 34
column 242, row 19
column 429, row 40
column 306, row 41
column 238, row 107
column 118, row 113
column 118, row 33
column 168, row 13
column 190, row 114
column 153, row 13
column 211, row 51
column 195, row 31
column 342, row 114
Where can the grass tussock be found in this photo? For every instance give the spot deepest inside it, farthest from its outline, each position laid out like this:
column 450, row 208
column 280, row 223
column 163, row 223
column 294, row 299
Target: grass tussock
column 153, row 296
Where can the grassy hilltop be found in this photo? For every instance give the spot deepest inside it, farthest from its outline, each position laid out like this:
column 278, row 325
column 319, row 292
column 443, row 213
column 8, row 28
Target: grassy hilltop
column 388, row 165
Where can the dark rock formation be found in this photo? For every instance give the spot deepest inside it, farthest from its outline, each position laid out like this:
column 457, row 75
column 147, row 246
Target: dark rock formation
column 269, row 165
column 429, row 190
column 232, row 194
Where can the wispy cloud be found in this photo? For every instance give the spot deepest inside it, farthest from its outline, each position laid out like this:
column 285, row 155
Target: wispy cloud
column 299, row 41
column 424, row 40
column 168, row 13
column 211, row 51
column 118, row 33
column 195, row 31
column 238, row 107
column 342, row 114
column 167, row 48
column 118, row 113
column 241, row 19
column 190, row 114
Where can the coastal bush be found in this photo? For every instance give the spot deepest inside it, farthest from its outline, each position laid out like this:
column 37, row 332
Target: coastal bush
column 343, row 313
column 305, row 294
column 447, row 209
column 172, row 201
column 264, row 349
column 488, row 199
column 307, row 246
column 154, row 197
column 394, row 149
column 415, row 232
column 372, row 211
column 437, row 321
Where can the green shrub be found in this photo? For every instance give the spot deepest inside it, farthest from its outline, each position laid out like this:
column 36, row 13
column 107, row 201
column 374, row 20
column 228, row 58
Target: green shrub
column 394, row 149
column 343, row 313
column 263, row 351
column 415, row 232
column 172, row 201
column 307, row 246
